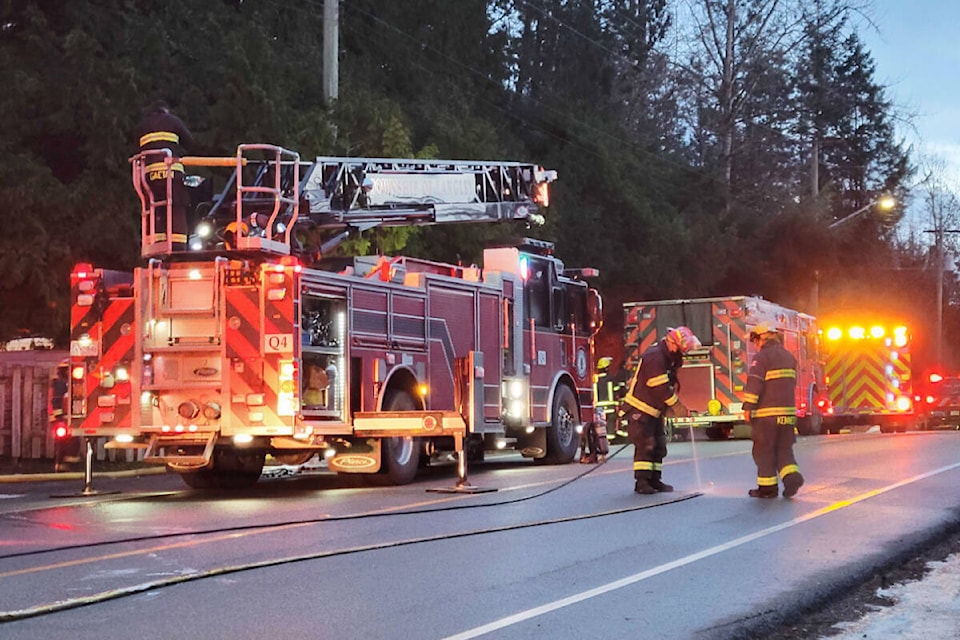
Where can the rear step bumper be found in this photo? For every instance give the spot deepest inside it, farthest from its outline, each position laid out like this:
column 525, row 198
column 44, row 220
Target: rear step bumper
column 182, row 452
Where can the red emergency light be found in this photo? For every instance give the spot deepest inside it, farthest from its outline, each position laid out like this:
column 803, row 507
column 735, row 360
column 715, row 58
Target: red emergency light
column 542, row 194
column 60, row 431
column 83, row 270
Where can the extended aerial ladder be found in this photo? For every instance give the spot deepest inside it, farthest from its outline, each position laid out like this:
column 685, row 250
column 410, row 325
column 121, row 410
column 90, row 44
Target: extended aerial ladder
column 278, row 204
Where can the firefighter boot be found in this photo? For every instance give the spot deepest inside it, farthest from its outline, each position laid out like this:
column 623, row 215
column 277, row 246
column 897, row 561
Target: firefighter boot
column 763, row 492
column 791, row 484
column 659, row 484
column 644, row 486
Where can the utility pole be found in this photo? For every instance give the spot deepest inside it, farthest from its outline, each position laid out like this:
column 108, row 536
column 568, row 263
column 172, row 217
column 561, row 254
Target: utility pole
column 938, row 243
column 331, row 49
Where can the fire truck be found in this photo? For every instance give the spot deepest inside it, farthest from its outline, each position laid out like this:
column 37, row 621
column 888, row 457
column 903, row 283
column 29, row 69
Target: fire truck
column 250, row 343
column 712, row 379
column 869, row 375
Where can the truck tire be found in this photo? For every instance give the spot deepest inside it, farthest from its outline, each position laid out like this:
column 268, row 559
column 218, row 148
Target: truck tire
column 202, row 479
column 831, row 426
column 718, row 433
column 231, row 469
column 399, row 457
column 562, row 437
column 810, row 425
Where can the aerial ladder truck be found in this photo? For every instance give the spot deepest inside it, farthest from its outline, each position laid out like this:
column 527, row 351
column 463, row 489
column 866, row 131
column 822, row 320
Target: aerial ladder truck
column 248, row 343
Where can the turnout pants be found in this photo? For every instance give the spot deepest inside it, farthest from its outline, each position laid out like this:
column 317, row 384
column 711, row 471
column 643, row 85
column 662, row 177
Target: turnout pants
column 649, row 441
column 773, row 440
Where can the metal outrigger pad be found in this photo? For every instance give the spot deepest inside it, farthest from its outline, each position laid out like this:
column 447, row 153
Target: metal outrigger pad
column 88, row 489
column 463, row 485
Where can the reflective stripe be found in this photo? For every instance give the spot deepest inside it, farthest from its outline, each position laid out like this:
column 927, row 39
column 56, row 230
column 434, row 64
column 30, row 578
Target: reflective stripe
column 642, row 406
column 159, row 136
column 162, row 166
column 642, row 465
column 174, row 237
column 787, row 470
column 766, row 481
column 768, row 412
column 658, row 466
column 672, row 400
column 657, row 381
column 750, row 397
column 779, row 374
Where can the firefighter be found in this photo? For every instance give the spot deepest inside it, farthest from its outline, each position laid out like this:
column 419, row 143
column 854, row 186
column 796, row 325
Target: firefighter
column 158, row 130
column 770, row 408
column 604, row 397
column 651, row 397
column 66, row 449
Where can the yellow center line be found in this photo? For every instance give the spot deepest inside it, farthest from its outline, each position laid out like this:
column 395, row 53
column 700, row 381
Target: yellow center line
column 523, row 616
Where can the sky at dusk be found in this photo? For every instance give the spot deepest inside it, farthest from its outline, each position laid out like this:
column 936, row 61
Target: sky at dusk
column 916, row 47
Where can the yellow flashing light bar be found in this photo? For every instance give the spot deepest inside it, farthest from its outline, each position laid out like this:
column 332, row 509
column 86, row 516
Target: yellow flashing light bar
column 858, row 332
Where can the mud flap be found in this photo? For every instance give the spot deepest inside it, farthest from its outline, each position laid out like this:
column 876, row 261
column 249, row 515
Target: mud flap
column 533, row 445
column 362, row 458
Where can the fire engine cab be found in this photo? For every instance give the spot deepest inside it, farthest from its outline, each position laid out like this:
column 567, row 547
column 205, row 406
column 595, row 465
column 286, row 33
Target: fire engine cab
column 247, row 343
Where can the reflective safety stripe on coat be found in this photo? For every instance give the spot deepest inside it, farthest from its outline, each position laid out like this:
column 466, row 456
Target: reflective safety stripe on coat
column 770, row 397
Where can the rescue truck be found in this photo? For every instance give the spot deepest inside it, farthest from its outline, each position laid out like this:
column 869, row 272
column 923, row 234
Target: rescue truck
column 248, row 343
column 712, row 379
column 869, row 375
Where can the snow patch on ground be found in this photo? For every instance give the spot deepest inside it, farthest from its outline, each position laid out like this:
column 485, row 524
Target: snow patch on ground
column 928, row 609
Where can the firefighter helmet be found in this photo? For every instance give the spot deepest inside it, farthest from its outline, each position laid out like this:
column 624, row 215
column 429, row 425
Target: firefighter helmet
column 761, row 329
column 683, row 339
column 604, row 363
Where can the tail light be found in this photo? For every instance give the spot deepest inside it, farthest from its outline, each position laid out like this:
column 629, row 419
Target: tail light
column 60, row 430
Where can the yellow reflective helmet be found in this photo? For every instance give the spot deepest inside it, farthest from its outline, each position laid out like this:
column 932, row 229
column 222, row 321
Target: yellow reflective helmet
column 761, row 329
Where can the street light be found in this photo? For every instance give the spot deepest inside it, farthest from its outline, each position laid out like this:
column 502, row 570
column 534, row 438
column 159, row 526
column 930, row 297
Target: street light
column 885, row 203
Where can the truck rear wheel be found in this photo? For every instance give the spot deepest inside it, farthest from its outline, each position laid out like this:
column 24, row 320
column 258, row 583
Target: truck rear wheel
column 202, row 479
column 810, row 425
column 718, row 433
column 231, row 469
column 562, row 437
column 399, row 457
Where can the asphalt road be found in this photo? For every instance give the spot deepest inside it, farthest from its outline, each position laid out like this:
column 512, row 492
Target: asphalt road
column 552, row 553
